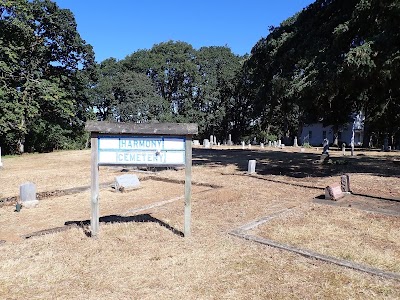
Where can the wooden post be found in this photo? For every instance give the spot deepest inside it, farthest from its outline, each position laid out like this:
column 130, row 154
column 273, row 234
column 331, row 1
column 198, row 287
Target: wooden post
column 94, row 219
column 188, row 185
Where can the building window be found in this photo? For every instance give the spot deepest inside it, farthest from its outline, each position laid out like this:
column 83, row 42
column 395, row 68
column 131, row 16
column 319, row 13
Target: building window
column 324, row 134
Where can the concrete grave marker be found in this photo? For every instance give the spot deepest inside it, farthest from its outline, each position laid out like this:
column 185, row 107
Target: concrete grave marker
column 211, row 140
column 27, row 195
column 262, row 145
column 196, row 142
column 251, row 166
column 345, row 183
column 334, row 192
column 295, row 142
column 230, row 140
column 1, row 164
column 126, row 182
column 206, row 143
column 344, row 149
column 269, row 144
column 242, row 145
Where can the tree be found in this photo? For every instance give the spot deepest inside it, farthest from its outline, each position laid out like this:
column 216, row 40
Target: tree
column 41, row 55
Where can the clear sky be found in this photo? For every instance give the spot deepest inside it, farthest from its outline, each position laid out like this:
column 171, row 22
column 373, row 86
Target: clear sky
column 120, row 27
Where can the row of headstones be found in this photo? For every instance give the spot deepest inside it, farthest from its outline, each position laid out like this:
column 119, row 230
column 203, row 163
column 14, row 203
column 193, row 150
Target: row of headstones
column 27, row 190
column 207, row 143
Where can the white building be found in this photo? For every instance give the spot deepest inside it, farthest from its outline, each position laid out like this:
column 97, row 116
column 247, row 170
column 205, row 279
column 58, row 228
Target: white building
column 315, row 133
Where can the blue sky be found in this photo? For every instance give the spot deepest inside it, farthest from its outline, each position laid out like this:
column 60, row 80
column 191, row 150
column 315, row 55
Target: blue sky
column 120, row 27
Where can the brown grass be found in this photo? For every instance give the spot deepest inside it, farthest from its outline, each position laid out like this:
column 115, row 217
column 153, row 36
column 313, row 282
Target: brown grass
column 148, row 260
column 362, row 237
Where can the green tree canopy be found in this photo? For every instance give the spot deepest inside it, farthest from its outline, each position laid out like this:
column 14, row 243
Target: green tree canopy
column 43, row 69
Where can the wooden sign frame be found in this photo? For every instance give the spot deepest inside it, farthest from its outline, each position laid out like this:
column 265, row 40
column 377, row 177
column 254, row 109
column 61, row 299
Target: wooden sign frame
column 132, row 131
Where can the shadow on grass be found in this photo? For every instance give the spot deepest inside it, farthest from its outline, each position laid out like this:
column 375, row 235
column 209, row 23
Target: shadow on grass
column 296, row 164
column 122, row 219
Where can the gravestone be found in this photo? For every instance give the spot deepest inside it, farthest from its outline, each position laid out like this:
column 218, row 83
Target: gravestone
column 334, row 192
column 27, row 195
column 251, row 166
column 279, row 143
column 295, row 142
column 215, row 140
column 269, row 144
column 249, row 146
column 126, row 182
column 262, row 145
column 196, row 142
column 206, row 143
column 243, row 145
column 230, row 140
column 211, row 140
column 282, row 146
column 386, row 144
column 344, row 149
column 345, row 183
column 275, row 143
column 1, row 164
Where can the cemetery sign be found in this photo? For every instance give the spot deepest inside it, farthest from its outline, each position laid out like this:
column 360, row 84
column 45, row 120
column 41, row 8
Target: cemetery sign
column 140, row 144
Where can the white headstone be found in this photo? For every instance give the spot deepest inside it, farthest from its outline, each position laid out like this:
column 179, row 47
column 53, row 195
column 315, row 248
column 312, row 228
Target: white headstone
column 126, row 182
column 219, row 144
column 344, row 149
column 27, row 195
column 1, row 164
column 215, row 140
column 196, row 142
column 275, row 143
column 295, row 142
column 211, row 140
column 206, row 143
column 242, row 145
column 262, row 145
column 279, row 143
column 269, row 144
column 249, row 146
column 251, row 166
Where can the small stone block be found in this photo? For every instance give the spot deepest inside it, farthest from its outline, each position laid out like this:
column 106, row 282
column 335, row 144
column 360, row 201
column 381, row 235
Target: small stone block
column 126, row 182
column 251, row 166
column 334, row 192
column 27, row 192
column 345, row 183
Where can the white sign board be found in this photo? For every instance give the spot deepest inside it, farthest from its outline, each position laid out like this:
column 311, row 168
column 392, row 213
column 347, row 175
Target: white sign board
column 141, row 150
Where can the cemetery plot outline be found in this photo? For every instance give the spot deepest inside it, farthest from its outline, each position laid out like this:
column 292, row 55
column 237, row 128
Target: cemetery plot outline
column 141, row 150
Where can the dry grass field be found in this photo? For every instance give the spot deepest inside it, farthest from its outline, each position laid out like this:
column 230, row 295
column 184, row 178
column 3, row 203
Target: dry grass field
column 141, row 254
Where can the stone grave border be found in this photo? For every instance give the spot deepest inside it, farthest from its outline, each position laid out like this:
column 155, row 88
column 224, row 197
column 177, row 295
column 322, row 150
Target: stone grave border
column 104, row 130
column 241, row 232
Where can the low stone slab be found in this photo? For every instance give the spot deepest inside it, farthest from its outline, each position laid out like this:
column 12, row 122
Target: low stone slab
column 334, row 192
column 126, row 182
